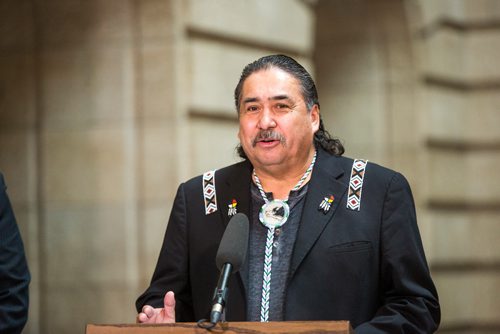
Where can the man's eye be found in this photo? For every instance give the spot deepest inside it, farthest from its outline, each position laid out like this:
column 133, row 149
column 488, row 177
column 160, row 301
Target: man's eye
column 282, row 106
column 252, row 108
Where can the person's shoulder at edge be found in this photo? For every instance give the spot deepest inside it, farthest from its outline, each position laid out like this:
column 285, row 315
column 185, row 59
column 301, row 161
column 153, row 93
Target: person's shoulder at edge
column 372, row 170
column 234, row 169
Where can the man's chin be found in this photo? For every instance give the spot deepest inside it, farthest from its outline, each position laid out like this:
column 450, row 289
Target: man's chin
column 266, row 161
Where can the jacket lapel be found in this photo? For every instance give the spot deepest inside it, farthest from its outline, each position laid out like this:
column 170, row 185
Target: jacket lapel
column 325, row 181
column 235, row 185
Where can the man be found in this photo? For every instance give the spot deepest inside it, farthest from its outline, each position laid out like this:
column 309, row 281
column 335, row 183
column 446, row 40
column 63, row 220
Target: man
column 14, row 274
column 343, row 234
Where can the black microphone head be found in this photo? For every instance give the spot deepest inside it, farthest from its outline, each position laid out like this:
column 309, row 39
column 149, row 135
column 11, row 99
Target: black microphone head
column 234, row 243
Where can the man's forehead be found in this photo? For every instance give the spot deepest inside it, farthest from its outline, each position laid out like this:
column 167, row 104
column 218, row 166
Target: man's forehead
column 272, row 73
column 272, row 83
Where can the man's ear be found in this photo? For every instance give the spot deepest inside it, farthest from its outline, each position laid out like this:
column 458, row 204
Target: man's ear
column 315, row 117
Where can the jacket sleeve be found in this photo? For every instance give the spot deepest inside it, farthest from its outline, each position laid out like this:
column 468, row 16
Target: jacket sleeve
column 172, row 268
column 14, row 273
column 409, row 301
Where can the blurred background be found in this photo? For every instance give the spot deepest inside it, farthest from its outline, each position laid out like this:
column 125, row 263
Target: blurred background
column 106, row 105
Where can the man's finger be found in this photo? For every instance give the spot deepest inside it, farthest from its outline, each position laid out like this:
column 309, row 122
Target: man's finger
column 148, row 310
column 169, row 306
column 142, row 317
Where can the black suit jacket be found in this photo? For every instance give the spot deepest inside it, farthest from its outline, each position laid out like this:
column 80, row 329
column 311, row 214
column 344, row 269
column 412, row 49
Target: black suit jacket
column 14, row 274
column 364, row 266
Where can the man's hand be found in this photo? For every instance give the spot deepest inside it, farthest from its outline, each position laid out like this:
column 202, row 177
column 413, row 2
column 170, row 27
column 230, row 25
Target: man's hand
column 150, row 315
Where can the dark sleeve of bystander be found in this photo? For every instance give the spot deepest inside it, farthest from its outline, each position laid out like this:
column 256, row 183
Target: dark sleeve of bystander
column 14, row 273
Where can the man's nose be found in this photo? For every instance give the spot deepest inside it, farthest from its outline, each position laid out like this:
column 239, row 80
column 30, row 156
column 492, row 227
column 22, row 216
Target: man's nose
column 267, row 120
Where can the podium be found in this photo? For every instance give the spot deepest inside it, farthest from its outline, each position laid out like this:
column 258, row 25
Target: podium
column 334, row 327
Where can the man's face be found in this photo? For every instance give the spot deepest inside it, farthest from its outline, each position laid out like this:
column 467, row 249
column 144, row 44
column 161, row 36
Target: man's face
column 275, row 125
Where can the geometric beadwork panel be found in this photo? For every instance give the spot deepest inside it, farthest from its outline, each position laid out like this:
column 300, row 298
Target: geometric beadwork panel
column 209, row 192
column 356, row 184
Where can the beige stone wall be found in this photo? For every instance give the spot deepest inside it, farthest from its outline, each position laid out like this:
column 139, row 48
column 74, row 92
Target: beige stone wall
column 367, row 80
column 459, row 44
column 87, row 115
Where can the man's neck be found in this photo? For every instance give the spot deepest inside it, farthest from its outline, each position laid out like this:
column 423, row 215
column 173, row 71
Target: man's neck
column 280, row 180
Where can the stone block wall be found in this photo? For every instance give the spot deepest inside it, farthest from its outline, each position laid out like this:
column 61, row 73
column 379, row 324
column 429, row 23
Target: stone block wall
column 459, row 43
column 87, row 113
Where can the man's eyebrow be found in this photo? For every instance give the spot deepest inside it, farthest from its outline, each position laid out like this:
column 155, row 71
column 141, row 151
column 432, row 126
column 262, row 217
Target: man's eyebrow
column 280, row 97
column 250, row 99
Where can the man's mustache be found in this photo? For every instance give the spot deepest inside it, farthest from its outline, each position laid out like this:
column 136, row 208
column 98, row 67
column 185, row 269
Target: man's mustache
column 267, row 135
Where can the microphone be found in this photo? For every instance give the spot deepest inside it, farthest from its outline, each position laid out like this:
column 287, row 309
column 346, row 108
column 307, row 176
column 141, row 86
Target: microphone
column 230, row 256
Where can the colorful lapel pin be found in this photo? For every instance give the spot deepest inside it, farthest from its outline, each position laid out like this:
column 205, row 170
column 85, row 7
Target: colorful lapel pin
column 232, row 208
column 326, row 204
